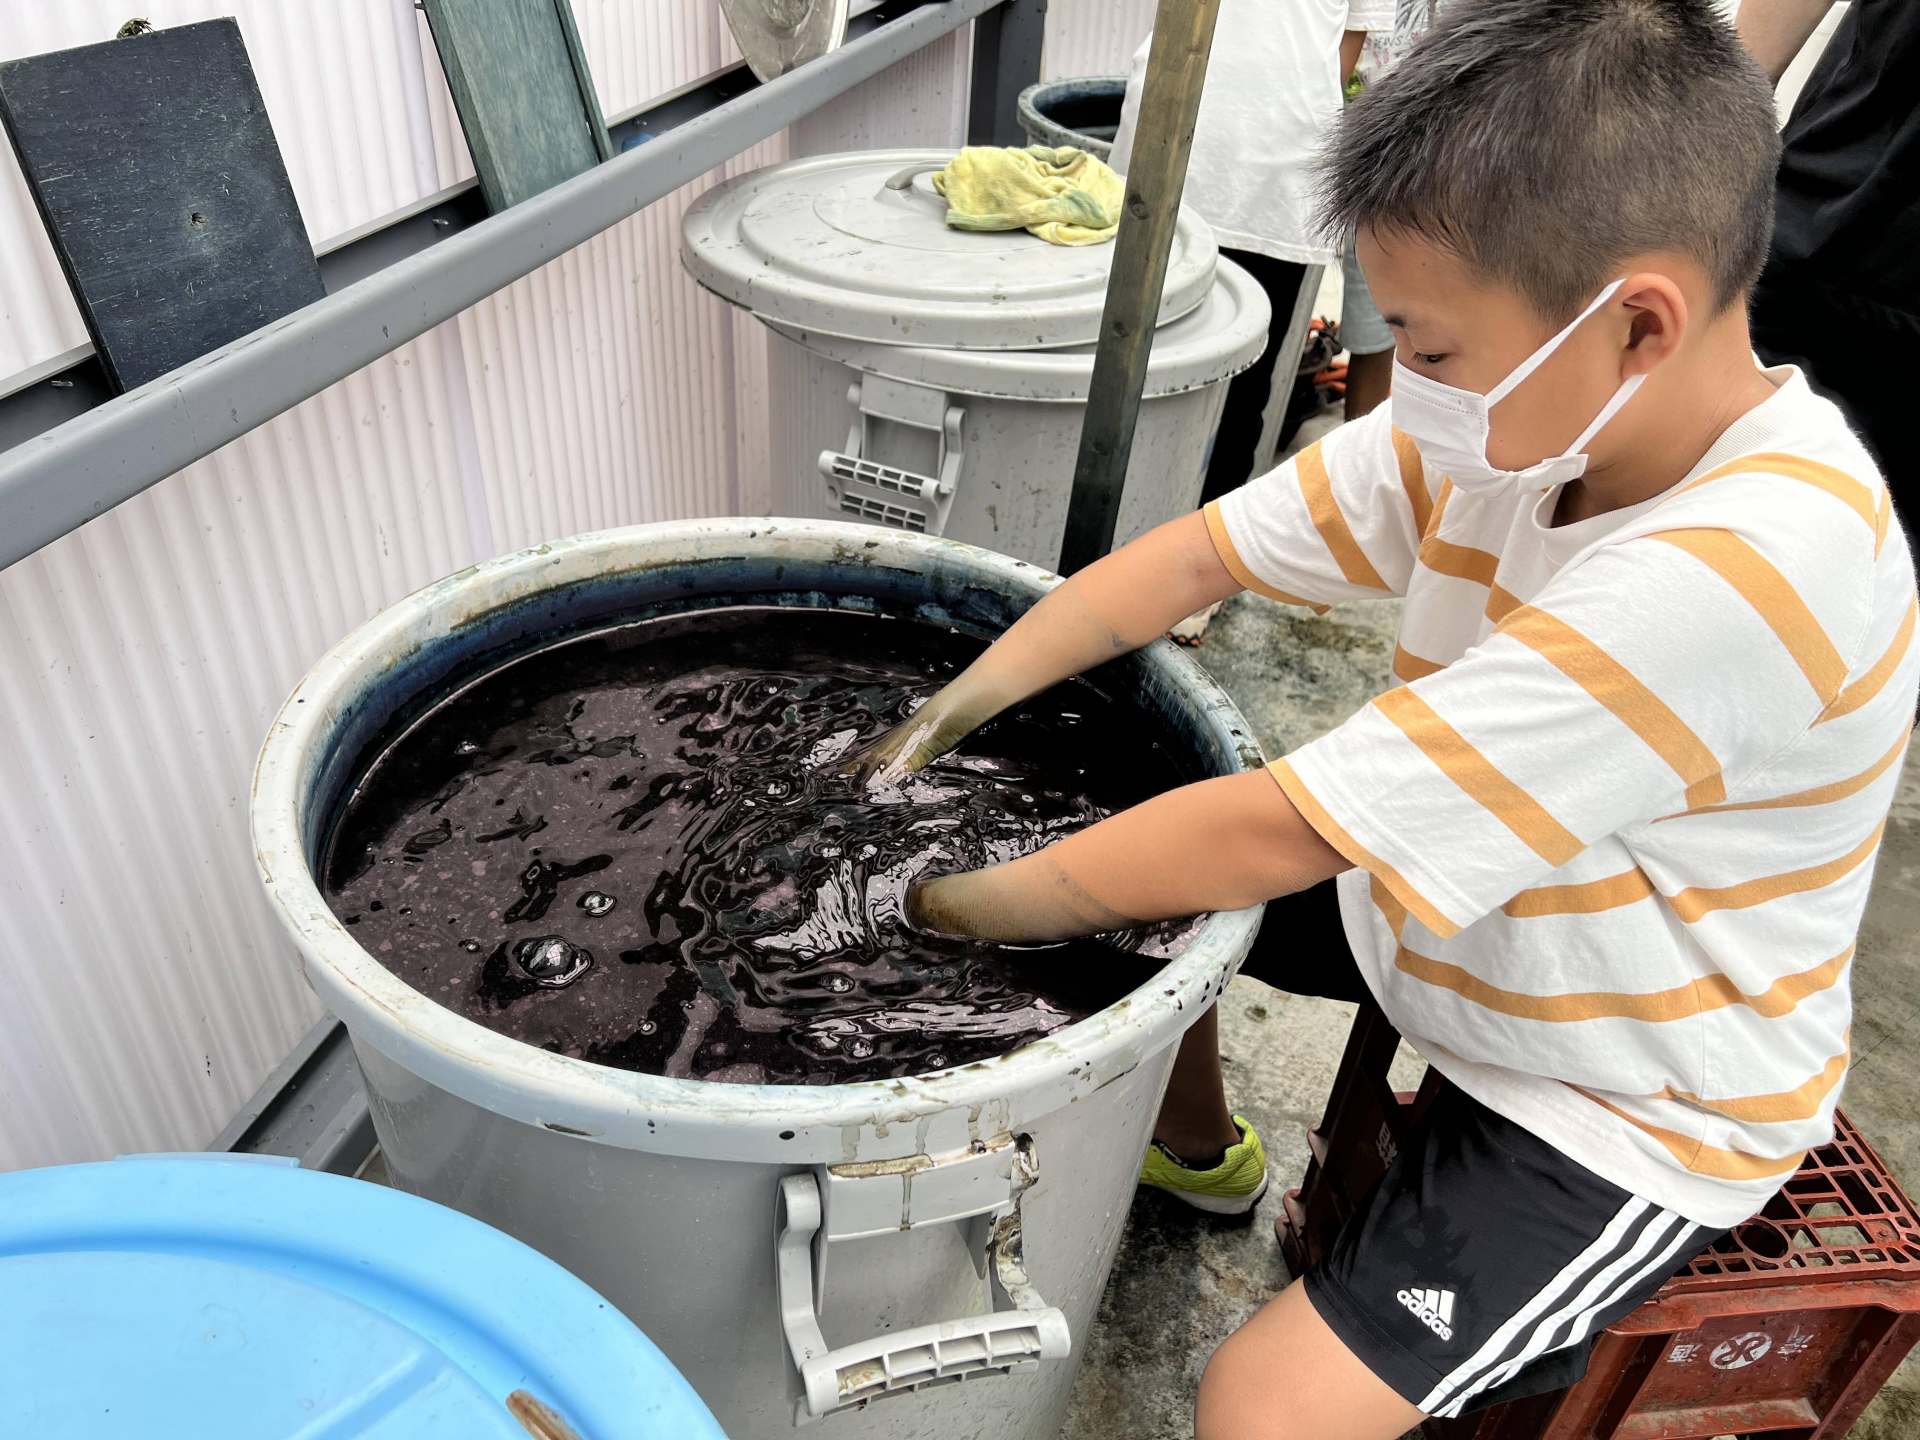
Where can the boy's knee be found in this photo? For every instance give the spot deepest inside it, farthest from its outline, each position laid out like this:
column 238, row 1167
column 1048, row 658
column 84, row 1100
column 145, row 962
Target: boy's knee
column 1236, row 1399
column 1217, row 1385
column 1285, row 1376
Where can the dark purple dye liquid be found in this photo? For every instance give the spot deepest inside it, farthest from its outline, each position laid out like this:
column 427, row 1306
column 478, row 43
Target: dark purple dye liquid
column 634, row 847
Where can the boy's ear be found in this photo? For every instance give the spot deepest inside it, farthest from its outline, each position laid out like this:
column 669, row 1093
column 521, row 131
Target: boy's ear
column 1657, row 319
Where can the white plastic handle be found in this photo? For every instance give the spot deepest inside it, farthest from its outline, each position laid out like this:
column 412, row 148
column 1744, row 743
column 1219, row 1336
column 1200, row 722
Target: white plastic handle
column 887, row 494
column 998, row 1341
column 903, row 179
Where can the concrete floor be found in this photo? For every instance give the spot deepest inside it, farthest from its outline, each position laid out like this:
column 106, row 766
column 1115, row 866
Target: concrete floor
column 1182, row 1284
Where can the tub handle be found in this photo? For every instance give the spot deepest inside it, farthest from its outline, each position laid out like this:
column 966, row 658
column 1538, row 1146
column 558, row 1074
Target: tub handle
column 1020, row 1332
column 861, row 486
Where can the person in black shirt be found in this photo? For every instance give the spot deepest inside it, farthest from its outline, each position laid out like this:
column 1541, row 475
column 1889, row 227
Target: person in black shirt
column 1840, row 295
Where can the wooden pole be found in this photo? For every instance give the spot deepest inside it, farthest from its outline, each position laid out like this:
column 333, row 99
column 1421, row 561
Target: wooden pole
column 1176, row 71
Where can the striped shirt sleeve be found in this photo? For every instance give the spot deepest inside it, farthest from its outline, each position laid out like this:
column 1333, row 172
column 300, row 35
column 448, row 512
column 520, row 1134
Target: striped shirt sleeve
column 1653, row 676
column 1342, row 520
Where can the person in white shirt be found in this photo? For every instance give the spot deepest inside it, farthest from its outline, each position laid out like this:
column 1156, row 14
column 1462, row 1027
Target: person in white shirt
column 1274, row 87
column 1368, row 341
column 1602, row 854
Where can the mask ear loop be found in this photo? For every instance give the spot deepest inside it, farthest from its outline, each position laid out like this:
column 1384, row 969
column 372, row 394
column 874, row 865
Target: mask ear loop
column 1607, row 411
column 1540, row 357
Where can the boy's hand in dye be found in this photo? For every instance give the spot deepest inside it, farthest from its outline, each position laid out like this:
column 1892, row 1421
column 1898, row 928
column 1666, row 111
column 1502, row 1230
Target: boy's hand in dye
column 1109, row 609
column 1221, row 844
column 916, row 742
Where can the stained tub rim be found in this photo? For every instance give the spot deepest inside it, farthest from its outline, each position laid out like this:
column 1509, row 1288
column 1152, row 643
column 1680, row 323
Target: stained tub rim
column 804, row 1123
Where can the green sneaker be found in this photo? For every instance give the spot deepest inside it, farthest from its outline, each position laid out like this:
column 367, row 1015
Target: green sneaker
column 1233, row 1187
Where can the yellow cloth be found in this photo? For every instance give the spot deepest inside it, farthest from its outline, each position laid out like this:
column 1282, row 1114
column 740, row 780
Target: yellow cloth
column 1064, row 196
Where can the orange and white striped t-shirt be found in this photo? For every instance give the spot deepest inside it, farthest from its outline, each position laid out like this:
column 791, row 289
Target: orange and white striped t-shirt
column 1614, row 833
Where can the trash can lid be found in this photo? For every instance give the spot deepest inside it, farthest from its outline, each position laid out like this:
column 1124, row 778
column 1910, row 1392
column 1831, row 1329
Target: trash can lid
column 1226, row 334
column 858, row 246
column 219, row 1296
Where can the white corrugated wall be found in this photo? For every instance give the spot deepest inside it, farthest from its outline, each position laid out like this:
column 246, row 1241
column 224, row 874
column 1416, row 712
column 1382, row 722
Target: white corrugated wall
column 145, row 990
column 1085, row 37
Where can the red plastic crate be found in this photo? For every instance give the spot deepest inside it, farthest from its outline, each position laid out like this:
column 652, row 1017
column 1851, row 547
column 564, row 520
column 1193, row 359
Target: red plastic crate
column 1785, row 1329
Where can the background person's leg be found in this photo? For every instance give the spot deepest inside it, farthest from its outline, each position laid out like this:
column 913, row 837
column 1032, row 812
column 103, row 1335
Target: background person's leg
column 1368, row 340
column 1858, row 354
column 1236, row 445
column 1369, row 378
column 1301, row 947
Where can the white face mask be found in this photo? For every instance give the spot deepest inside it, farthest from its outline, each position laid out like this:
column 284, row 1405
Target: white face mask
column 1450, row 425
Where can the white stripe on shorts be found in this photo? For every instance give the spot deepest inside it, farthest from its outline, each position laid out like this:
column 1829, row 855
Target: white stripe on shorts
column 1654, row 1244
column 1504, row 1340
column 1679, row 1233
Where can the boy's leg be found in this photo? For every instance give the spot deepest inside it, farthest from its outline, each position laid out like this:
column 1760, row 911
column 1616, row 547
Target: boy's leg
column 1301, row 947
column 1477, row 1272
column 1328, row 1391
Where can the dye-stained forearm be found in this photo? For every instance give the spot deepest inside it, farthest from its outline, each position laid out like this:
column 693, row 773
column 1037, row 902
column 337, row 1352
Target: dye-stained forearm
column 1112, row 607
column 1217, row 845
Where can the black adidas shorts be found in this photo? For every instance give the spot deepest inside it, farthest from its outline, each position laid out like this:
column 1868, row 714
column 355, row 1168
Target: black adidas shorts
column 1485, row 1261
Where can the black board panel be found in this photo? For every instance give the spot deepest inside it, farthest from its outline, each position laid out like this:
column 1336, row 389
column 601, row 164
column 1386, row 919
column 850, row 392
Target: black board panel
column 156, row 172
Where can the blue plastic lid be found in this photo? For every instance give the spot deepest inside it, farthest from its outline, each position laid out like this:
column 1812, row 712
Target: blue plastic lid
column 217, row 1297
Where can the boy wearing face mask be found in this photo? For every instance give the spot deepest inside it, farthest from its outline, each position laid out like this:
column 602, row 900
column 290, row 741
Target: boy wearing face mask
column 1602, row 854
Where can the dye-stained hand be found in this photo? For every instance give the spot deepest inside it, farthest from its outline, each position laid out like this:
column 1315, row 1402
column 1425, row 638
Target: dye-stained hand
column 916, row 742
column 1112, row 607
column 926, row 916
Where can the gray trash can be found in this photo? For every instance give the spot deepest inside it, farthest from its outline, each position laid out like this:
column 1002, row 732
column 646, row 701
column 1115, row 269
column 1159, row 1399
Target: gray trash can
column 934, row 380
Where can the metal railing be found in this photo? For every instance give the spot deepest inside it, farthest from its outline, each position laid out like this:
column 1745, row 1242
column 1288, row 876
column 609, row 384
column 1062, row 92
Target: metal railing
column 93, row 451
column 71, row 450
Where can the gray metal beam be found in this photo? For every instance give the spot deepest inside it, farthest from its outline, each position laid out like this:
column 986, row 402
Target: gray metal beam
column 58, row 481
column 1006, row 59
column 313, row 1107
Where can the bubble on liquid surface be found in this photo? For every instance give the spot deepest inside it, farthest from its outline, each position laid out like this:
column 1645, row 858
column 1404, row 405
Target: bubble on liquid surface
column 552, row 961
column 472, row 947
column 596, row 902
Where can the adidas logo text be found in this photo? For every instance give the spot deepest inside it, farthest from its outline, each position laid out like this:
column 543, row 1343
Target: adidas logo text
column 1434, row 1307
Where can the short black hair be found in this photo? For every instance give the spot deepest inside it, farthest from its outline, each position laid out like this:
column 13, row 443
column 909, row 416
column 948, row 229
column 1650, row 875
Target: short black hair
column 1545, row 141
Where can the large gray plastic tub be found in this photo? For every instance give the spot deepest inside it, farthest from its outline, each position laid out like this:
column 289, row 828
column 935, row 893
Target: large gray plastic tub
column 798, row 1252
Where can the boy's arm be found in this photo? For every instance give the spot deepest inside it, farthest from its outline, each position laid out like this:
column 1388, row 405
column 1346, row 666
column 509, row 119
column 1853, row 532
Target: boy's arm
column 1775, row 31
column 1651, row 679
column 1114, row 606
column 1341, row 520
column 1218, row 845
